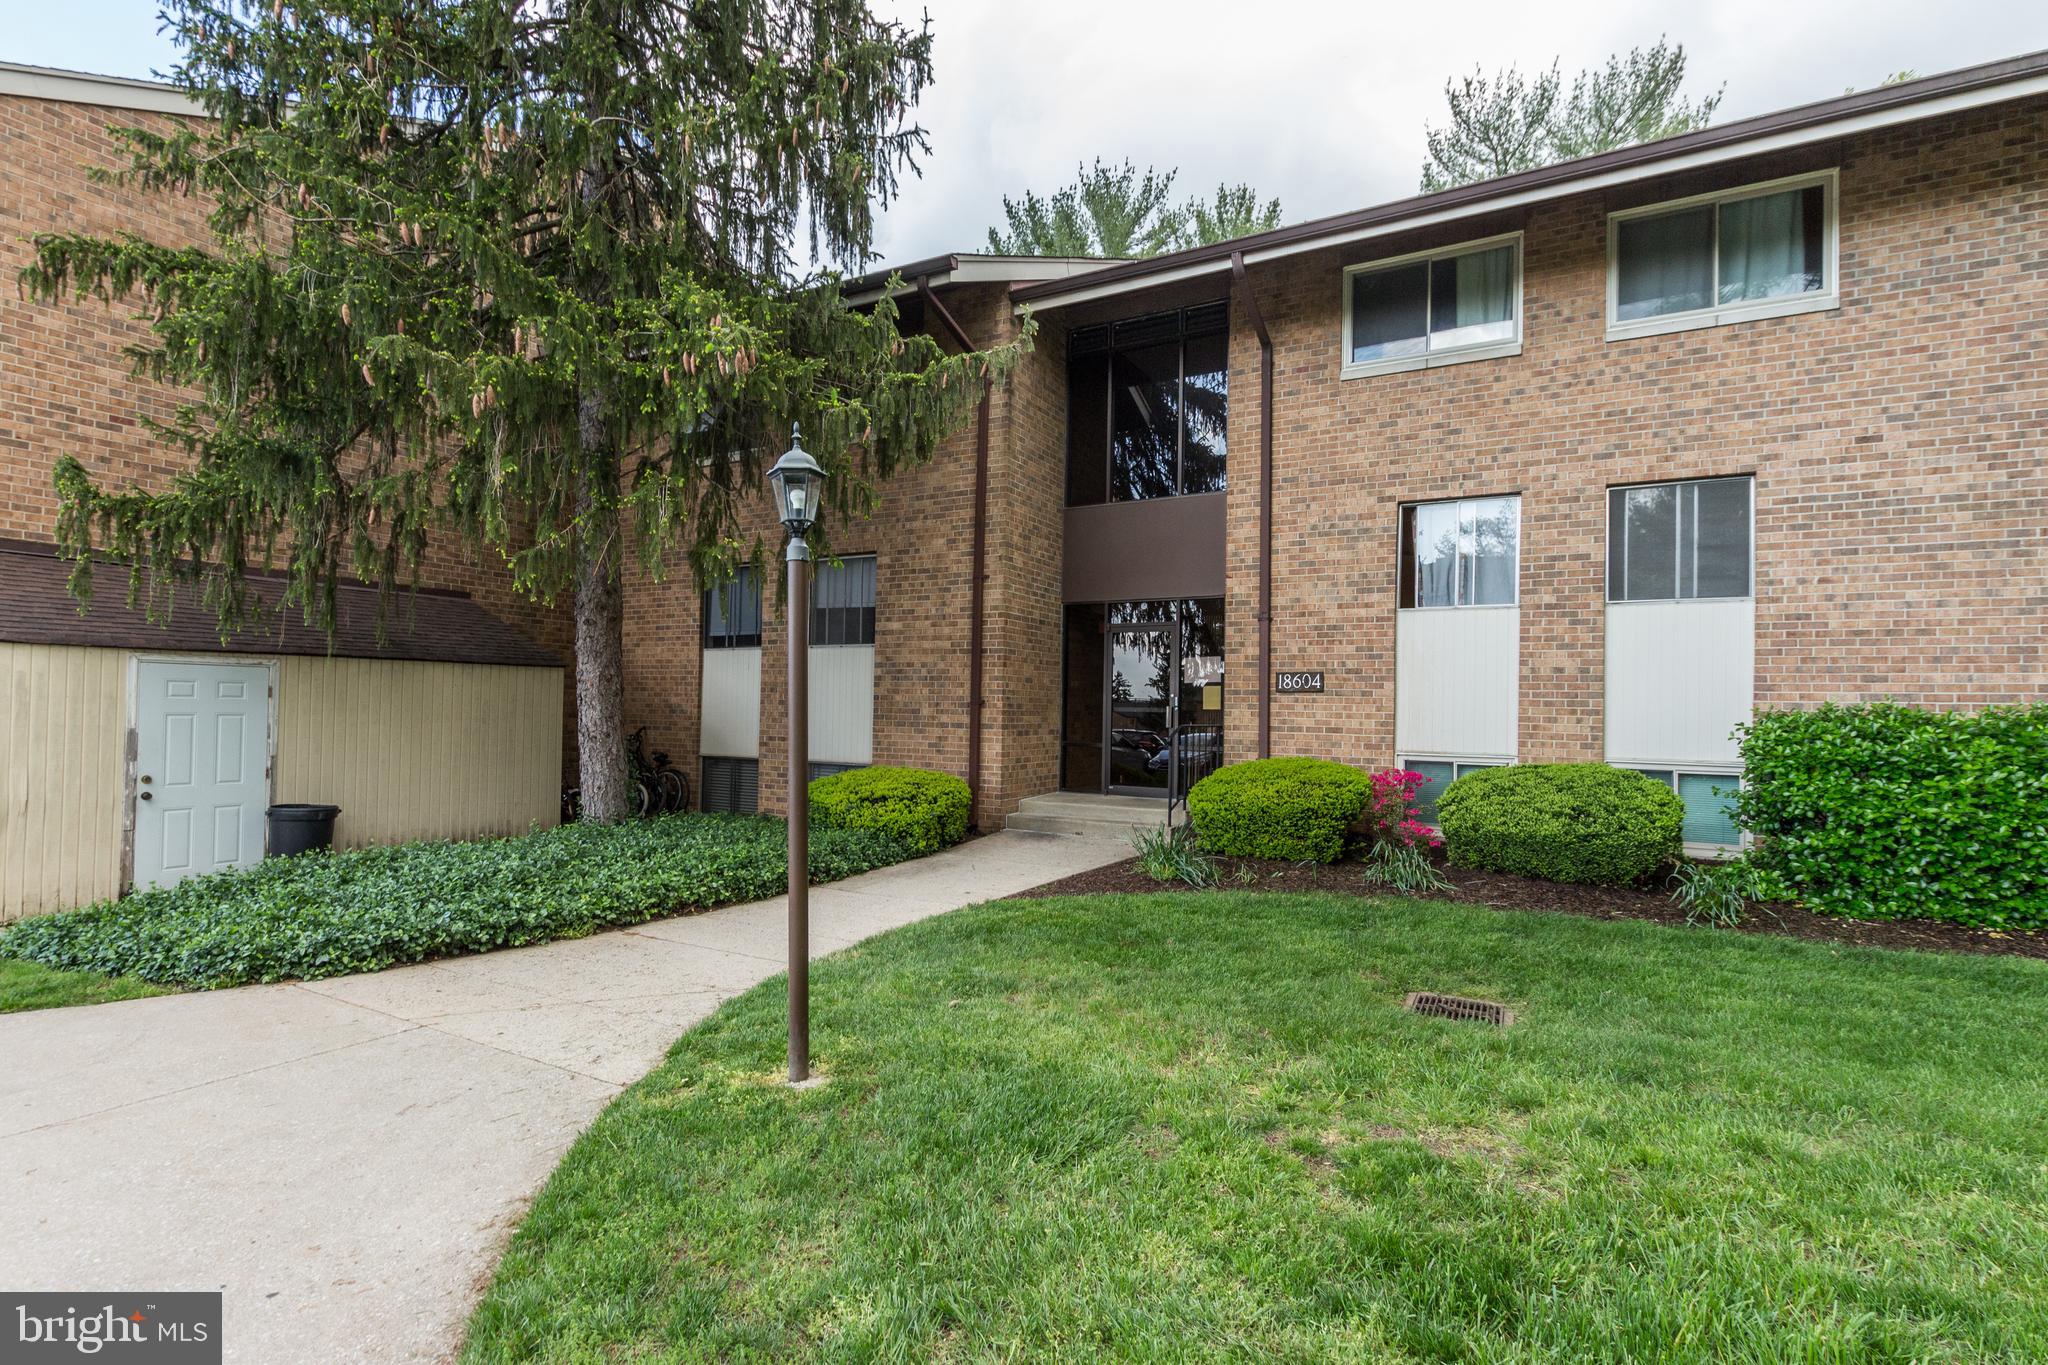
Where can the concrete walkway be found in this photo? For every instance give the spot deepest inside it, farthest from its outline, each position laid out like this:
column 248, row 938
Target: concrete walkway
column 345, row 1158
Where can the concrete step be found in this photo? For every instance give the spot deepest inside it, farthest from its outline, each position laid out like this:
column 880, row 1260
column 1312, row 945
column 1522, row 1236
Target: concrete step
column 1103, row 817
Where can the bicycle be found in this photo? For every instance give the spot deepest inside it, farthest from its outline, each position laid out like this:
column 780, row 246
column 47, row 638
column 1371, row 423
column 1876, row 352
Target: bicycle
column 666, row 787
column 658, row 786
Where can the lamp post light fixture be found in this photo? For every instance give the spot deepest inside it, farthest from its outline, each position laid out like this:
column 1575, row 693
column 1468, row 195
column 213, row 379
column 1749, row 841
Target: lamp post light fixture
column 798, row 482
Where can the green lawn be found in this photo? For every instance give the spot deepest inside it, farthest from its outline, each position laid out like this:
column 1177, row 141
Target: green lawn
column 1181, row 1127
column 32, row 986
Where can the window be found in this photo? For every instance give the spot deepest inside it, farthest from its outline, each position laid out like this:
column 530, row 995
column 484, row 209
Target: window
column 1762, row 251
column 730, row 784
column 1460, row 554
column 732, row 612
column 843, row 602
column 819, row 770
column 1148, row 407
column 1709, row 804
column 1679, row 542
column 1438, row 773
column 1434, row 309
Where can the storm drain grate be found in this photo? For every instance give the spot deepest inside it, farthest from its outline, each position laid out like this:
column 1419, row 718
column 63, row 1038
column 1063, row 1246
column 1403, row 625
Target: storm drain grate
column 1458, row 1007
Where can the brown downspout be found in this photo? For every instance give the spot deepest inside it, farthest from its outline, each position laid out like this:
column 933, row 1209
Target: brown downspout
column 975, row 589
column 1264, row 615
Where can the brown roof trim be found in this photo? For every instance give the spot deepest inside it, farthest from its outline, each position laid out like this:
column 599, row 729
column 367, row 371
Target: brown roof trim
column 430, row 626
column 1800, row 117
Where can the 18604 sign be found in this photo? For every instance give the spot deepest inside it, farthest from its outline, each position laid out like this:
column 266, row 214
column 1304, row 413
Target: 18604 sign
column 1286, row 683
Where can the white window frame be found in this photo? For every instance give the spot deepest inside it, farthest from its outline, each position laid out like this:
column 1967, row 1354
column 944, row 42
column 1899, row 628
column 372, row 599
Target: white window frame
column 1400, row 552
column 1828, row 297
column 1607, row 560
column 1456, row 355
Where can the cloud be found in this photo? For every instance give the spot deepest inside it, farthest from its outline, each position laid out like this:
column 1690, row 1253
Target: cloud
column 1324, row 104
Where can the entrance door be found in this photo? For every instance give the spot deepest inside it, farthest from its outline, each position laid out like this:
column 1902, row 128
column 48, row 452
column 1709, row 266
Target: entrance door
column 1142, row 683
column 202, row 768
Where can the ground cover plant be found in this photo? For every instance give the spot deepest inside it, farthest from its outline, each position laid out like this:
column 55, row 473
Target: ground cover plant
column 32, row 986
column 1125, row 1127
column 1891, row 812
column 1566, row 822
column 321, row 915
column 924, row 809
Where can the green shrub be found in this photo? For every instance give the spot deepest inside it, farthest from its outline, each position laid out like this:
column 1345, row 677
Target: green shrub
column 329, row 914
column 1564, row 822
column 1887, row 812
column 926, row 810
column 1297, row 809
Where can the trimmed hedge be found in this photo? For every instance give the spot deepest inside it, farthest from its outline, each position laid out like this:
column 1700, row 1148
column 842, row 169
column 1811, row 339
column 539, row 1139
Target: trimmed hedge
column 1295, row 809
column 329, row 914
column 1584, row 823
column 1883, row 811
column 926, row 810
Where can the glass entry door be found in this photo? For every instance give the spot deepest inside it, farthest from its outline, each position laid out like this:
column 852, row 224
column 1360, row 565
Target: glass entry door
column 1142, row 665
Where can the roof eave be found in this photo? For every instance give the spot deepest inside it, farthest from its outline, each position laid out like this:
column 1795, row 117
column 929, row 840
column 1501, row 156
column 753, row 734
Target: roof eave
column 1913, row 101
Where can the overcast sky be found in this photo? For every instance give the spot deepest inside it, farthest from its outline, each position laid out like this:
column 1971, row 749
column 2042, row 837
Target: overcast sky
column 1322, row 104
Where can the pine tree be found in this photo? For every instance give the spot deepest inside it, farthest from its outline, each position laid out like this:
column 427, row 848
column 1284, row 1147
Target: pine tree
column 1235, row 211
column 522, row 273
column 1122, row 213
column 1111, row 211
column 1509, row 122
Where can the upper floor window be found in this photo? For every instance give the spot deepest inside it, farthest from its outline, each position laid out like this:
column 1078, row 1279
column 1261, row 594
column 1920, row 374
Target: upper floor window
column 732, row 612
column 1760, row 251
column 1461, row 554
column 843, row 602
column 1148, row 406
column 1434, row 308
column 1675, row 542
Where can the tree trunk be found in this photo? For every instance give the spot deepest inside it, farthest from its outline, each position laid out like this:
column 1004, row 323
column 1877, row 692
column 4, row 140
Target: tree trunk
column 600, row 591
column 600, row 623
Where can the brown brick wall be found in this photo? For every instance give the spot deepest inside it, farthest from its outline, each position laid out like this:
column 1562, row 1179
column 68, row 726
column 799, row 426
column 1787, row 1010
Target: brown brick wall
column 1897, row 444
column 66, row 386
column 922, row 538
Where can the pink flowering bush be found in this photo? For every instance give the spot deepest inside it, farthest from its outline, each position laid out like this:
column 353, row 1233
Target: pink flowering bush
column 1390, row 812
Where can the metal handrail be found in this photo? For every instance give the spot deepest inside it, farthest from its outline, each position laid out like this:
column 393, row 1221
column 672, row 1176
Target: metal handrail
column 1192, row 753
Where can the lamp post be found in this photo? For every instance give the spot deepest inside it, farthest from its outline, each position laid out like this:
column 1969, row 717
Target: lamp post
column 798, row 481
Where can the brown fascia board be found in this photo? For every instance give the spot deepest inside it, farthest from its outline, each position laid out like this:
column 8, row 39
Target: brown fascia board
column 875, row 279
column 1646, row 156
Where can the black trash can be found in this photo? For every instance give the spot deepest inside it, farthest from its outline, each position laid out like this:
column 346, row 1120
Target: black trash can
column 301, row 829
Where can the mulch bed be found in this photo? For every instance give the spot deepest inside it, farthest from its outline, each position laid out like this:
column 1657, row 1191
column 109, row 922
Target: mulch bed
column 1596, row 902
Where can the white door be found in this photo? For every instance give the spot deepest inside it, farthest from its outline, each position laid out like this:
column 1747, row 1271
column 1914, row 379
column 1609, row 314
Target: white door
column 202, row 768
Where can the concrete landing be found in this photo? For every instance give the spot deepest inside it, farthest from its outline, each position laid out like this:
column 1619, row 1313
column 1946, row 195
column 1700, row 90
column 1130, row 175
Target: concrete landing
column 1088, row 815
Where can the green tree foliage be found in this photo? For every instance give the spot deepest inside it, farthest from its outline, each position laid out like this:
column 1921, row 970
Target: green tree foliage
column 1234, row 211
column 521, row 272
column 1123, row 213
column 1509, row 122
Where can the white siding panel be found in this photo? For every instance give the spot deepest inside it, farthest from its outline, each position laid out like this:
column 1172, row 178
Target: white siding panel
column 732, row 703
column 1457, row 681
column 843, row 704
column 1680, row 677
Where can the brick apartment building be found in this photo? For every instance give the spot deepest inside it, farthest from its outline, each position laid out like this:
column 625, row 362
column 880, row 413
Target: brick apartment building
column 1578, row 464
